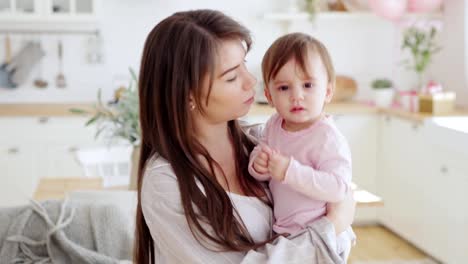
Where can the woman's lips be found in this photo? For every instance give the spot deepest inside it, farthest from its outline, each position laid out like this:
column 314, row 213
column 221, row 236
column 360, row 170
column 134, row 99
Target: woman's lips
column 250, row 100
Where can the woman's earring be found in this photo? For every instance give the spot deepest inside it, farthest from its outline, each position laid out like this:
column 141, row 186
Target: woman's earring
column 192, row 106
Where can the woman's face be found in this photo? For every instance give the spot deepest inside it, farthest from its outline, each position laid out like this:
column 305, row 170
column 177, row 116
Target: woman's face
column 232, row 92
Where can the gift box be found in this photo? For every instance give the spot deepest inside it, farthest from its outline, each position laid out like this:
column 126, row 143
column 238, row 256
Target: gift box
column 438, row 103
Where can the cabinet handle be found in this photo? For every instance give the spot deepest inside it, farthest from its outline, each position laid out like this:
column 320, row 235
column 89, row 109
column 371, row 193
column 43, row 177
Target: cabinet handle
column 43, row 120
column 444, row 169
column 415, row 126
column 337, row 117
column 72, row 149
column 387, row 119
column 13, row 150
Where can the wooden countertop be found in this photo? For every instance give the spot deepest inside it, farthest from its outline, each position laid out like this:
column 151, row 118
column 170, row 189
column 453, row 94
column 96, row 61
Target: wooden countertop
column 41, row 110
column 360, row 108
column 51, row 109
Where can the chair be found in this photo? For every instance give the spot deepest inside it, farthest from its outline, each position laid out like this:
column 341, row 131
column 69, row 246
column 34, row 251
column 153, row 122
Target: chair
column 112, row 164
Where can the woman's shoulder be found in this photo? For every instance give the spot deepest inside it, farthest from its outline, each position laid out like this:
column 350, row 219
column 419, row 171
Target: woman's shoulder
column 159, row 176
column 256, row 130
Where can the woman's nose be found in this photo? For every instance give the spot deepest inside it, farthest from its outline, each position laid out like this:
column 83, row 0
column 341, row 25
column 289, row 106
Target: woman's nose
column 250, row 82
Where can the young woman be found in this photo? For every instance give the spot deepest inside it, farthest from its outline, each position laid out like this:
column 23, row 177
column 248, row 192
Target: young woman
column 197, row 202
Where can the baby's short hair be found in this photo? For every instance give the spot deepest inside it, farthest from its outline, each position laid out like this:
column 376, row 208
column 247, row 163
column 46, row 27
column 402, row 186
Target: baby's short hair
column 297, row 46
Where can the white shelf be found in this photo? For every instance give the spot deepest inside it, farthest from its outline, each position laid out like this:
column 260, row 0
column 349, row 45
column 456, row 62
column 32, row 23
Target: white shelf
column 291, row 16
column 50, row 25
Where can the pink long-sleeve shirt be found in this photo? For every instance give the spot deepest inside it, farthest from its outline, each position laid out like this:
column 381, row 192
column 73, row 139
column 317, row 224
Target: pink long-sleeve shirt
column 319, row 171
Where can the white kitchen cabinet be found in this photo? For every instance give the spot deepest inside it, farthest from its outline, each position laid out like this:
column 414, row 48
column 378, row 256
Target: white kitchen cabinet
column 33, row 148
column 18, row 177
column 25, row 8
column 445, row 222
column 46, row 8
column 48, row 15
column 423, row 188
column 400, row 179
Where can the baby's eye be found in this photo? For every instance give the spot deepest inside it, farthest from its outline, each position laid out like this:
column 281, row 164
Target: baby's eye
column 283, row 88
column 308, row 85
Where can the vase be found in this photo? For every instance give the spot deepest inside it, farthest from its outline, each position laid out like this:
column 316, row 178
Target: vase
column 134, row 168
column 384, row 97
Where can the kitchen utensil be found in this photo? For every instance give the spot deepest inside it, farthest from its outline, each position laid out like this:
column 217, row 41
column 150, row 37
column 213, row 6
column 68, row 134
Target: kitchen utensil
column 23, row 62
column 60, row 80
column 40, row 82
column 5, row 75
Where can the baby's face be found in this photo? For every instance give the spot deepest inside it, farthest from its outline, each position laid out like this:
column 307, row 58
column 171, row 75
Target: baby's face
column 299, row 97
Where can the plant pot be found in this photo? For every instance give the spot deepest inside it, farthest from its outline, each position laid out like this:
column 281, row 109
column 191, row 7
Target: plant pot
column 134, row 168
column 384, row 97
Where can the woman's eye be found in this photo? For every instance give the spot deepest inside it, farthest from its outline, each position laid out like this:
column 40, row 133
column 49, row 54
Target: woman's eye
column 233, row 79
column 283, row 88
column 308, row 85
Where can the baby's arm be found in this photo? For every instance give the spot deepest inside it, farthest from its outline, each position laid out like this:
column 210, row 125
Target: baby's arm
column 326, row 184
column 331, row 178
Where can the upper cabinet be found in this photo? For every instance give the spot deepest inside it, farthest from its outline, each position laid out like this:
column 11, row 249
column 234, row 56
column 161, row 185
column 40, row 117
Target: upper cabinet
column 19, row 8
column 48, row 15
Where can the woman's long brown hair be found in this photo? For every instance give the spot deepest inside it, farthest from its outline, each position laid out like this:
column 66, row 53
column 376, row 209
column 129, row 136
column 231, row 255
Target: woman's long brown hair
column 178, row 54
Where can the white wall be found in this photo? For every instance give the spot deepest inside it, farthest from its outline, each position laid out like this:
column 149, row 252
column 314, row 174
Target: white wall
column 451, row 63
column 364, row 48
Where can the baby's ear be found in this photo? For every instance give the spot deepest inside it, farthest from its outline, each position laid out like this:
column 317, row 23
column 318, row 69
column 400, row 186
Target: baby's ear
column 267, row 93
column 329, row 94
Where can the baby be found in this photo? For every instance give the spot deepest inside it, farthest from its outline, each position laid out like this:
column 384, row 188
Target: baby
column 301, row 153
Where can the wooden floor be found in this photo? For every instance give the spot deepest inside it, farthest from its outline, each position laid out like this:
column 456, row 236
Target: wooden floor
column 376, row 243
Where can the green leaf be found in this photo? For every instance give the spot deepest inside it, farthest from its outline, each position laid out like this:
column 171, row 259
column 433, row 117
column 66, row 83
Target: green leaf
column 92, row 120
column 78, row 111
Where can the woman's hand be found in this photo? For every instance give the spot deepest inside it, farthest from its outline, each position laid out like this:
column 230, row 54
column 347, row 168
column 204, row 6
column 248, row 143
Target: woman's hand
column 341, row 214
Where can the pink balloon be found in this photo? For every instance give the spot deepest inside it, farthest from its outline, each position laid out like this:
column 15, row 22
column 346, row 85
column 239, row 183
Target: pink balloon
column 389, row 9
column 423, row 5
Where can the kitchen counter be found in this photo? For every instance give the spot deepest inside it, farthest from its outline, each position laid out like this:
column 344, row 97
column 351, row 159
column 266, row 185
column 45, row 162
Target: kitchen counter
column 360, row 108
column 44, row 110
column 41, row 110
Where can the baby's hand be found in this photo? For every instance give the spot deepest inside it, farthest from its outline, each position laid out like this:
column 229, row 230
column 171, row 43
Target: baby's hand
column 278, row 165
column 260, row 163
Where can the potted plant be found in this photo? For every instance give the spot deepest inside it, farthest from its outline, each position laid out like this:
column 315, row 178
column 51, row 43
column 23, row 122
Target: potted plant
column 119, row 120
column 383, row 92
column 419, row 40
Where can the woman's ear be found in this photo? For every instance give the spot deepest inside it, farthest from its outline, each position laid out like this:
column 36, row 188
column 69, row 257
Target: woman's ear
column 329, row 94
column 192, row 104
column 268, row 96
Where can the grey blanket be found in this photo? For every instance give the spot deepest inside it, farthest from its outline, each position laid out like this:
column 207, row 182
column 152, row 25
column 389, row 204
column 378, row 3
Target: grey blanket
column 313, row 245
column 62, row 232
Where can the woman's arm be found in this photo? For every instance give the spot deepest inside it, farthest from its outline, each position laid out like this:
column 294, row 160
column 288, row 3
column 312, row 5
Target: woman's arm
column 316, row 244
column 341, row 214
column 164, row 215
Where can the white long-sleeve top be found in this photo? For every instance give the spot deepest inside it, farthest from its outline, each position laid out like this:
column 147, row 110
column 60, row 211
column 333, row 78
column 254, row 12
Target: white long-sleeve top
column 164, row 214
